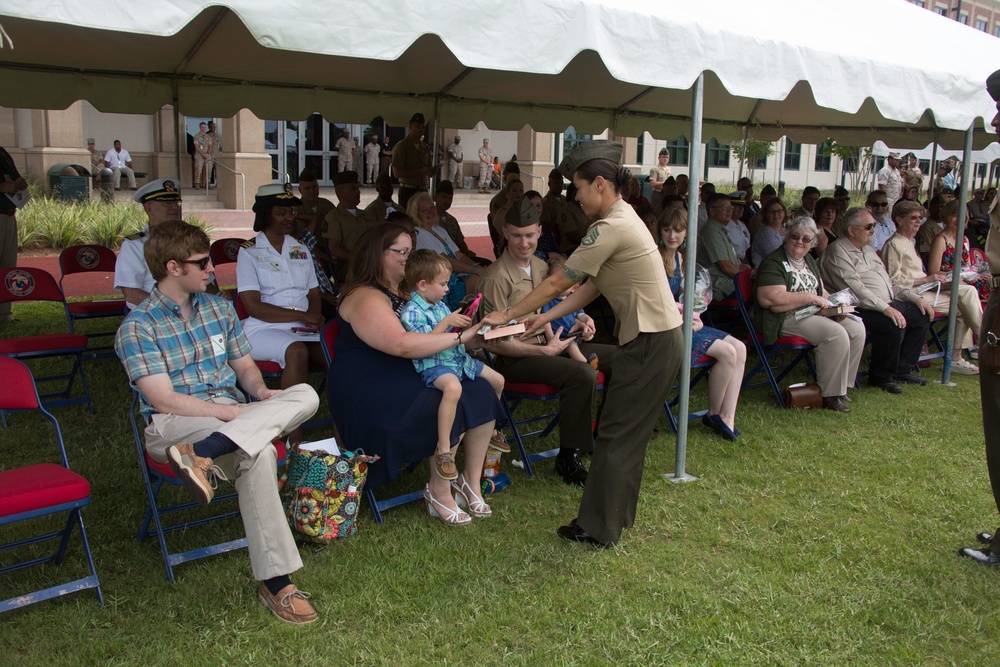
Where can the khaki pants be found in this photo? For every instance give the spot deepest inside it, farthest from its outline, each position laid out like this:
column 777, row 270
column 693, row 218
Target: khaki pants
column 8, row 254
column 455, row 173
column 254, row 467
column 989, row 393
column 485, row 174
column 970, row 311
column 117, row 177
column 838, row 349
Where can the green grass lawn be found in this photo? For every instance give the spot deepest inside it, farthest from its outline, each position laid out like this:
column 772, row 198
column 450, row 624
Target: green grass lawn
column 818, row 538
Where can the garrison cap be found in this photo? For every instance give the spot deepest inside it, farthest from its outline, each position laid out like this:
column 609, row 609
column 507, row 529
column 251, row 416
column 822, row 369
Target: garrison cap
column 592, row 150
column 840, row 191
column 522, row 214
column 418, row 118
column 162, row 189
column 993, row 85
column 664, row 151
column 345, row 178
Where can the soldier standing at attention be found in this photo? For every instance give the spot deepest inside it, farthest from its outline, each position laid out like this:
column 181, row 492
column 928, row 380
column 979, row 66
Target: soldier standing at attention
column 455, row 158
column 619, row 259
column 411, row 161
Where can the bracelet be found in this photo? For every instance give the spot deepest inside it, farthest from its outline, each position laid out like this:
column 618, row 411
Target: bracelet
column 458, row 338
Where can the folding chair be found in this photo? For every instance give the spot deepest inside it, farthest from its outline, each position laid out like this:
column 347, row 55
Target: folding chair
column 328, row 339
column 515, row 393
column 90, row 259
column 703, row 365
column 39, row 490
column 798, row 346
column 225, row 251
column 29, row 284
column 937, row 337
column 154, row 475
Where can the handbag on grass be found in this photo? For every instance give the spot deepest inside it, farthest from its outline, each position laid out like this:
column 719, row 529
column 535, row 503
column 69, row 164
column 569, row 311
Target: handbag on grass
column 321, row 492
column 803, row 395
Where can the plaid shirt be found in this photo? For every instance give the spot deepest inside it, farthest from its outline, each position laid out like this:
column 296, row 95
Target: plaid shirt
column 422, row 317
column 154, row 339
column 327, row 285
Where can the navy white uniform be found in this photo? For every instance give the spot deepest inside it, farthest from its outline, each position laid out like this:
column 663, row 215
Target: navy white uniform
column 130, row 269
column 283, row 279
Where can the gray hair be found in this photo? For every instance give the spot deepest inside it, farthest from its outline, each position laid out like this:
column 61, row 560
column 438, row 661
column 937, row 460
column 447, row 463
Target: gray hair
column 851, row 217
column 806, row 223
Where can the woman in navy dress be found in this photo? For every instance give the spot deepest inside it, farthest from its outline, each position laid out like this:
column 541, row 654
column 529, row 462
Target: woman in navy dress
column 377, row 399
column 729, row 354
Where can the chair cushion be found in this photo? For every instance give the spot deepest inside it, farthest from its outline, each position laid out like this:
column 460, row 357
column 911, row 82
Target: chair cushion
column 269, row 367
column 703, row 360
column 46, row 342
column 795, row 341
column 164, row 469
column 110, row 307
column 39, row 486
column 539, row 390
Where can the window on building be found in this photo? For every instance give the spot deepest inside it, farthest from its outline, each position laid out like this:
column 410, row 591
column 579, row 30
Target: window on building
column 679, row 149
column 718, row 154
column 925, row 166
column 918, row 3
column 879, row 163
column 981, row 25
column 980, row 171
column 640, row 150
column 943, row 11
column 793, row 155
column 572, row 139
column 850, row 164
column 822, row 159
column 963, row 19
column 761, row 162
column 996, row 31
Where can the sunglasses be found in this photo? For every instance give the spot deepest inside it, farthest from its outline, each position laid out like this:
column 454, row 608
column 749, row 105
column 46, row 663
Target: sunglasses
column 800, row 238
column 200, row 263
column 879, row 204
column 870, row 226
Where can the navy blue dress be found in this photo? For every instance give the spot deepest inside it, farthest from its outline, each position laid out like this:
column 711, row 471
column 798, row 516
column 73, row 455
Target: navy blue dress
column 702, row 339
column 381, row 405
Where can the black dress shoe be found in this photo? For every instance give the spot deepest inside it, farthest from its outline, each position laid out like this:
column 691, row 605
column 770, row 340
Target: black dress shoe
column 890, row 387
column 833, row 403
column 574, row 533
column 846, row 399
column 984, row 538
column 910, row 378
column 568, row 467
column 981, row 556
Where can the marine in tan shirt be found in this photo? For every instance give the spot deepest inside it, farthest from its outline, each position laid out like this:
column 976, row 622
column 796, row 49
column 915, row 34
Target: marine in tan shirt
column 346, row 223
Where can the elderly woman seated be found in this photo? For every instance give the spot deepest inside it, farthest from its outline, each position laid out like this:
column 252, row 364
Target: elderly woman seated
column 771, row 234
column 905, row 268
column 431, row 235
column 788, row 281
column 378, row 400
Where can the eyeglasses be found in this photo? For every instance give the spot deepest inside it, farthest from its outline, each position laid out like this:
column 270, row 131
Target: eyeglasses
column 799, row 238
column 201, row 263
column 870, row 226
column 404, row 252
column 879, row 204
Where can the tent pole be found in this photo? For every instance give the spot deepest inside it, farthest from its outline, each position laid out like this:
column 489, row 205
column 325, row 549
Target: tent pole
column 680, row 460
column 781, row 167
column 933, row 168
column 956, row 269
column 435, row 143
column 743, row 154
column 177, row 133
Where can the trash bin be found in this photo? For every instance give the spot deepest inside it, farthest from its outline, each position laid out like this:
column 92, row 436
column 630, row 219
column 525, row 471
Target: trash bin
column 70, row 181
column 107, row 185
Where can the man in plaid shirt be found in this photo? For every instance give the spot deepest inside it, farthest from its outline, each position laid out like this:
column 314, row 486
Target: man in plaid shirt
column 184, row 351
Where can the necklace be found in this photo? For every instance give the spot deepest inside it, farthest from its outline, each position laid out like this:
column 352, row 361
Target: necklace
column 798, row 263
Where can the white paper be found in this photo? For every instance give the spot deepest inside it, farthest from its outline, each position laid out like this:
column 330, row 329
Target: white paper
column 329, row 446
column 20, row 198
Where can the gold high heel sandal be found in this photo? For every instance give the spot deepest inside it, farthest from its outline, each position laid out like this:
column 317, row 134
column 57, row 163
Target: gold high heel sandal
column 465, row 497
column 448, row 516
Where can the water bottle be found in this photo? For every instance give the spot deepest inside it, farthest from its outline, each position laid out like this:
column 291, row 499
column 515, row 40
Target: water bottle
column 496, row 483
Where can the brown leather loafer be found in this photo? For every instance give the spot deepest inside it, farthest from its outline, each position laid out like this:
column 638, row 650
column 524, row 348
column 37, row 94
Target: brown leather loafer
column 290, row 604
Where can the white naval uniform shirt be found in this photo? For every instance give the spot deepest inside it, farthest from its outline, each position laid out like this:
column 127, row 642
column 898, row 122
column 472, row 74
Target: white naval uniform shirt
column 283, row 279
column 130, row 268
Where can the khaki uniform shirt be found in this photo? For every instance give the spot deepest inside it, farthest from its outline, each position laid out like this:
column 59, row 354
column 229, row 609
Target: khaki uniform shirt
column 344, row 147
column 379, row 209
column 926, row 234
column 899, row 254
column 96, row 162
column 455, row 153
column 322, row 208
column 486, row 157
column 842, row 265
column 572, row 219
column 215, row 145
column 371, row 152
column 202, row 142
column 659, row 173
column 345, row 228
column 622, row 261
column 993, row 240
column 552, row 206
column 505, row 283
column 454, row 229
column 410, row 154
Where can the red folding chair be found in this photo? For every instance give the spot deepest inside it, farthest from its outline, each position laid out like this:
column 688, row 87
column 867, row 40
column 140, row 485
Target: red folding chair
column 154, row 476
column 90, row 259
column 38, row 490
column 225, row 251
column 799, row 347
column 23, row 284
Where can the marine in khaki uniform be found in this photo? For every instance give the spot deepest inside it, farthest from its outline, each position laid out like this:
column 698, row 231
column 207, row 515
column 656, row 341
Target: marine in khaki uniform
column 383, row 205
column 455, row 159
column 616, row 258
column 202, row 146
column 989, row 363
column 346, row 223
column 485, row 166
column 506, row 282
column 657, row 176
column 345, row 152
column 442, row 200
column 411, row 161
column 371, row 160
column 313, row 210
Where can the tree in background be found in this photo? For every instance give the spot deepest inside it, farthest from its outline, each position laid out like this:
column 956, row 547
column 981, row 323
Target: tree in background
column 856, row 162
column 756, row 151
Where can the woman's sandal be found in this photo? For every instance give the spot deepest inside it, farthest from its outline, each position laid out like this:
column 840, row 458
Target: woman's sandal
column 439, row 510
column 444, row 466
column 466, row 498
column 498, row 442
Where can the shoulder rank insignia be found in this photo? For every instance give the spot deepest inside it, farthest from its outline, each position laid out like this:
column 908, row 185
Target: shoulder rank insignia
column 135, row 237
column 249, row 243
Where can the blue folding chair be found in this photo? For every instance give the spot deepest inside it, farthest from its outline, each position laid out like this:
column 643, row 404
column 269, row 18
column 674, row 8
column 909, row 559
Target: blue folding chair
column 22, row 284
column 799, row 347
column 703, row 365
column 154, row 476
column 39, row 490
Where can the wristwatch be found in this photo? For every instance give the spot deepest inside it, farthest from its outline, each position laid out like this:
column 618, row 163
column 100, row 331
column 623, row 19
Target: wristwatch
column 991, row 339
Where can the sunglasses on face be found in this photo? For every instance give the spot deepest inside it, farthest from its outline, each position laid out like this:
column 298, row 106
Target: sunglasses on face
column 870, row 226
column 798, row 238
column 201, row 263
column 879, row 204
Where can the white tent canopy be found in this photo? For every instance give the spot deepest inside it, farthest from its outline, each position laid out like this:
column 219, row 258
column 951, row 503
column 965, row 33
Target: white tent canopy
column 809, row 69
column 984, row 156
